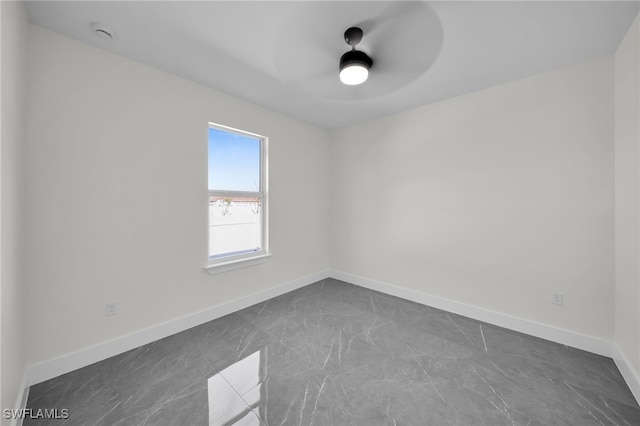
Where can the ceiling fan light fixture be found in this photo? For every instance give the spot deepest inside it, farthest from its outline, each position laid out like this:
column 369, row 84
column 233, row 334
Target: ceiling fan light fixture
column 354, row 75
column 354, row 65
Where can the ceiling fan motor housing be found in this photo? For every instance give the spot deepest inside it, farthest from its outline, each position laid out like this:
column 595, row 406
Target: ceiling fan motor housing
column 355, row 57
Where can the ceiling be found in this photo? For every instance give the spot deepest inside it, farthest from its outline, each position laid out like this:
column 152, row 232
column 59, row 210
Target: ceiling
column 284, row 55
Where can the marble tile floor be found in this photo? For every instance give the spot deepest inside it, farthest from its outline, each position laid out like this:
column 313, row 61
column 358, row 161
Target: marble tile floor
column 336, row 354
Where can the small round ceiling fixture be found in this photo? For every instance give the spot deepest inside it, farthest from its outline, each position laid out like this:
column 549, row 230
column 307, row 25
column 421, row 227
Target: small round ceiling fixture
column 103, row 31
column 355, row 64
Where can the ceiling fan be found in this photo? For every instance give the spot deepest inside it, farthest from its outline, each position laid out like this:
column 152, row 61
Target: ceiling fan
column 389, row 44
column 355, row 64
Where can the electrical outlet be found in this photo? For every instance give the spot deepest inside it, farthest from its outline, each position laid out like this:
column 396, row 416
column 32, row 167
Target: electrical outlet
column 111, row 309
column 558, row 299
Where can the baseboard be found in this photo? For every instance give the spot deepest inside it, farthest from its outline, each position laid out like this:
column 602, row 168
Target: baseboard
column 628, row 372
column 21, row 400
column 72, row 361
column 544, row 331
column 63, row 364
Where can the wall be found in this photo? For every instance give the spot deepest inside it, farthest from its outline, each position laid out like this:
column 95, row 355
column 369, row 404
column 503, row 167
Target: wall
column 627, row 202
column 12, row 125
column 116, row 196
column 494, row 199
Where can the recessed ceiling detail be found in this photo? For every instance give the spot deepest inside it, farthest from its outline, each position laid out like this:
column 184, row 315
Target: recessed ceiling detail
column 405, row 38
column 284, row 55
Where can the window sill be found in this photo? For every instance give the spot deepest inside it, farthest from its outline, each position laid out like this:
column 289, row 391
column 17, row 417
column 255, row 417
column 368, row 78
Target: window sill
column 230, row 265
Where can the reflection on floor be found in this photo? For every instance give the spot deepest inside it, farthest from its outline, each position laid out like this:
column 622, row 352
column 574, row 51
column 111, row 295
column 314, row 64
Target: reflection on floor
column 336, row 354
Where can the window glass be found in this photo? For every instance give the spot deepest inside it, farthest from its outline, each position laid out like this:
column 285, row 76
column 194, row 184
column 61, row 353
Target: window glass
column 234, row 161
column 237, row 199
column 234, row 225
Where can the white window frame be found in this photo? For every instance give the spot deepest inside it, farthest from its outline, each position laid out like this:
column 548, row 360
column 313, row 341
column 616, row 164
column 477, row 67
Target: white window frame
column 229, row 262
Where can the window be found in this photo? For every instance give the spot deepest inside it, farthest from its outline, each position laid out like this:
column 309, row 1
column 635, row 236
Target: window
column 237, row 198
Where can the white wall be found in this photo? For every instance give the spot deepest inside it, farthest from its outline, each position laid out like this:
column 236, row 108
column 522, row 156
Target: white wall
column 116, row 196
column 627, row 201
column 496, row 199
column 12, row 124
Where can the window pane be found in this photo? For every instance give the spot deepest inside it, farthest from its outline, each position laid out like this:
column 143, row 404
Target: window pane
column 234, row 161
column 234, row 225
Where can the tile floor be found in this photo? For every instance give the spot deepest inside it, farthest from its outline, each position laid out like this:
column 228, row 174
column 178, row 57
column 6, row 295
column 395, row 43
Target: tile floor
column 336, row 354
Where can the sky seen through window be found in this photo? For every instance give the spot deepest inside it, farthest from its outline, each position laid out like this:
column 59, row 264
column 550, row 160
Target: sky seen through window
column 234, row 161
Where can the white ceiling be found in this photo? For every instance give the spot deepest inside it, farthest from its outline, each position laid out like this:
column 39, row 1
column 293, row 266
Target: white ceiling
column 284, row 55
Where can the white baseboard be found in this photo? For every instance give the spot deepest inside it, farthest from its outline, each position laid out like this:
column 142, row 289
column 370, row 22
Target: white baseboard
column 21, row 400
column 533, row 328
column 72, row 361
column 63, row 364
column 628, row 372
